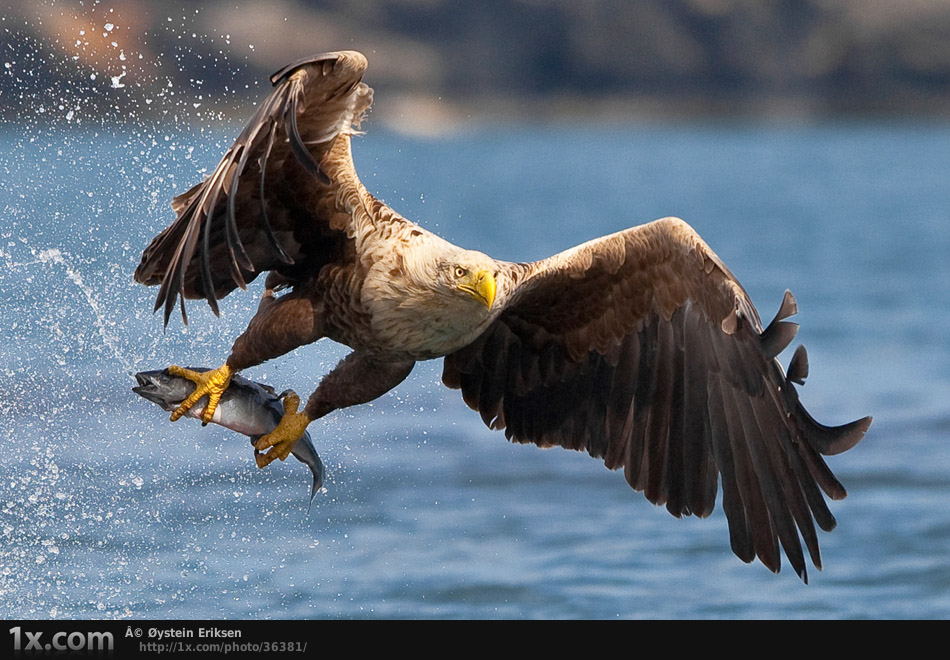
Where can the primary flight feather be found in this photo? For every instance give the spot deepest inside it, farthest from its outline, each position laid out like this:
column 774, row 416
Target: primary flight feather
column 640, row 348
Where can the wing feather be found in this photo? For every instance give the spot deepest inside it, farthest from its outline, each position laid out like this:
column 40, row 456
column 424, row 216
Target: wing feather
column 642, row 349
column 274, row 200
column 740, row 534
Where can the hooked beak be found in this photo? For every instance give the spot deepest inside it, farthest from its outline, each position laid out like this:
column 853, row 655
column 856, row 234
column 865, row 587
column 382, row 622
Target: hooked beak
column 481, row 286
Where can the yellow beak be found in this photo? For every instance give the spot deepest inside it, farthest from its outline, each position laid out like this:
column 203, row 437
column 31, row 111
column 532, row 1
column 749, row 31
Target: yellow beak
column 481, row 286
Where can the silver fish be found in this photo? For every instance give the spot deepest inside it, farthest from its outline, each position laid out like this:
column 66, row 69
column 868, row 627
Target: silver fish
column 247, row 407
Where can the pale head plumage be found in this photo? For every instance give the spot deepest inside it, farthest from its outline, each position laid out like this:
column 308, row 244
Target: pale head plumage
column 431, row 297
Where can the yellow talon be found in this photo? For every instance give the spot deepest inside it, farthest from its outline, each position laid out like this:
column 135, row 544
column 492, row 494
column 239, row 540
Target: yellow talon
column 210, row 383
column 283, row 438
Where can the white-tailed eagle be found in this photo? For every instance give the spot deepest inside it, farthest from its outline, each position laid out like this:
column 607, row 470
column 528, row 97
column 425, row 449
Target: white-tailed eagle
column 640, row 348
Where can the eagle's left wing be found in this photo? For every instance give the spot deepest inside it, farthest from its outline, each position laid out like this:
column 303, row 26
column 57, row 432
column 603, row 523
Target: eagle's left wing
column 642, row 349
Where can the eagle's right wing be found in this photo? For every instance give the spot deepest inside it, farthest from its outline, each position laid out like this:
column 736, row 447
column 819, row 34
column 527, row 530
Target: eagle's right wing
column 284, row 196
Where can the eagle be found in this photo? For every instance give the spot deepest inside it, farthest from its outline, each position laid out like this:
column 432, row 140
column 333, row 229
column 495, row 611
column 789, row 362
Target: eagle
column 640, row 348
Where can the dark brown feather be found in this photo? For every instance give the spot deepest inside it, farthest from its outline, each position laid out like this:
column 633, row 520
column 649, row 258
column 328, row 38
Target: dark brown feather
column 642, row 349
column 272, row 203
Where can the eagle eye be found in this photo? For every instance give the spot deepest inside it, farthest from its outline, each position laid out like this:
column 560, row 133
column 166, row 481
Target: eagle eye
column 460, row 272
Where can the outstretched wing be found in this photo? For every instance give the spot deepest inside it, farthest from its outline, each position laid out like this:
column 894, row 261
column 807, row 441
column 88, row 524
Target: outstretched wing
column 642, row 349
column 283, row 196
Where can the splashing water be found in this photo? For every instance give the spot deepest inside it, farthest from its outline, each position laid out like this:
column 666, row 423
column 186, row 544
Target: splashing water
column 105, row 327
column 97, row 133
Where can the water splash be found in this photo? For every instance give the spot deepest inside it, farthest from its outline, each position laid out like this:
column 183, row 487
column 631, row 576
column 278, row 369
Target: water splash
column 110, row 339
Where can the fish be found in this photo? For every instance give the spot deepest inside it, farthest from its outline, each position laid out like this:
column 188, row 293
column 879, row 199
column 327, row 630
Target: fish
column 252, row 409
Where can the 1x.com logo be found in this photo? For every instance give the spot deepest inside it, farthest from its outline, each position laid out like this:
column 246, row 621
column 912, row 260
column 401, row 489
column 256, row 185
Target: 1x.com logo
column 61, row 641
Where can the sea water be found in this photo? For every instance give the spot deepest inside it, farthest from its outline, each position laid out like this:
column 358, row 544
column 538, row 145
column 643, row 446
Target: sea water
column 108, row 510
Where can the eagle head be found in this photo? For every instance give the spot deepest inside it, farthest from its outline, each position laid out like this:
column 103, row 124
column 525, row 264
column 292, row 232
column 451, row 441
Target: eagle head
column 471, row 276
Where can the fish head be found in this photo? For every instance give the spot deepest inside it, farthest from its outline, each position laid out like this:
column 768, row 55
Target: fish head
column 162, row 388
column 155, row 386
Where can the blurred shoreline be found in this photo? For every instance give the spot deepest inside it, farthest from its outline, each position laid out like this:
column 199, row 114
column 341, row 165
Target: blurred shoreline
column 439, row 65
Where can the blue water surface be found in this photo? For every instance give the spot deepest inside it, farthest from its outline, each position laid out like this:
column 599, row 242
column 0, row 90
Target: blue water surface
column 107, row 510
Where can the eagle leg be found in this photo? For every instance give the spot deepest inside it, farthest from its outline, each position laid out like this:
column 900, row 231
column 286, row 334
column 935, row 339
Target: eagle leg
column 211, row 383
column 359, row 378
column 283, row 438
